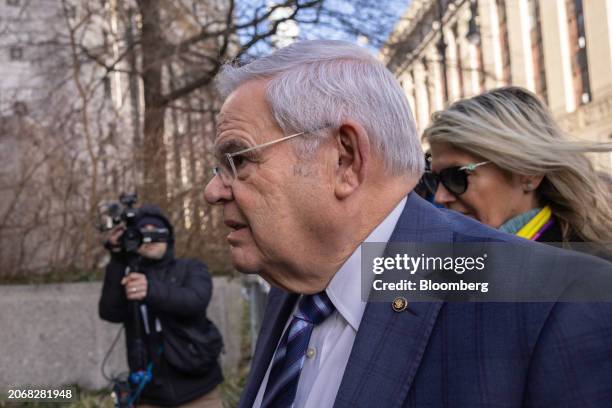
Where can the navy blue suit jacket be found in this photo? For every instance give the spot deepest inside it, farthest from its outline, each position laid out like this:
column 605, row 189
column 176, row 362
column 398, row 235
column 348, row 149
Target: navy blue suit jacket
column 460, row 354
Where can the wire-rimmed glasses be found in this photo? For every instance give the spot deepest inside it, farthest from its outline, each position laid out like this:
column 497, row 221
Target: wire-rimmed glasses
column 228, row 167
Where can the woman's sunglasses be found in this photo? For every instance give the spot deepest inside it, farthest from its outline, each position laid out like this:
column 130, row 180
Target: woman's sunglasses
column 454, row 179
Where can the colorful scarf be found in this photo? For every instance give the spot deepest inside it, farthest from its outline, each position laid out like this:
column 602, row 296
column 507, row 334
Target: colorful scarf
column 537, row 225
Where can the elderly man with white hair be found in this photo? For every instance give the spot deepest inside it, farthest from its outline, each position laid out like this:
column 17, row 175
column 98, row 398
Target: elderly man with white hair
column 317, row 153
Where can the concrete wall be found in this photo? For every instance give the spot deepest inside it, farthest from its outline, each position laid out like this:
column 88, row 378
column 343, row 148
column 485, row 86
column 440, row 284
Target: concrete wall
column 51, row 334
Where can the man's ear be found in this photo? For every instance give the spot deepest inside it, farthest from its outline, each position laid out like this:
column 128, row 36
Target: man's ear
column 353, row 146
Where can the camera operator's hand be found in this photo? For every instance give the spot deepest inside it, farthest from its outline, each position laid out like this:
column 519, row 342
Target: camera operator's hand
column 135, row 285
column 111, row 238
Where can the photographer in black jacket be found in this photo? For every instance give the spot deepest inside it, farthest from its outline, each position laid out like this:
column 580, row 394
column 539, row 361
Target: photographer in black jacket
column 170, row 336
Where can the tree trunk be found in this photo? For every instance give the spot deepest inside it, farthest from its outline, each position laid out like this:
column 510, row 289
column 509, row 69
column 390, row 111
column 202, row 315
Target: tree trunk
column 195, row 193
column 154, row 188
column 137, row 168
column 177, row 192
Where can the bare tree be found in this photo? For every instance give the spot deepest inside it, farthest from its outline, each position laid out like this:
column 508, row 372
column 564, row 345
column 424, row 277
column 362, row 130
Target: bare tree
column 127, row 103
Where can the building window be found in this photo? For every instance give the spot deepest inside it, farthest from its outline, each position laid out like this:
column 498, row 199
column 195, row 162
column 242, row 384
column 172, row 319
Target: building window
column 414, row 95
column 429, row 87
column 502, row 18
column 70, row 11
column 108, row 89
column 482, row 75
column 537, row 49
column 20, row 108
column 578, row 51
column 16, row 53
column 459, row 61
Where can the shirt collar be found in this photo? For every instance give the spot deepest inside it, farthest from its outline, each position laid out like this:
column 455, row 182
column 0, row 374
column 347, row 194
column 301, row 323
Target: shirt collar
column 344, row 290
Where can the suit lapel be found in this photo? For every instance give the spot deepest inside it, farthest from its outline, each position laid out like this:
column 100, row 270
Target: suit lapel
column 386, row 355
column 389, row 346
column 278, row 309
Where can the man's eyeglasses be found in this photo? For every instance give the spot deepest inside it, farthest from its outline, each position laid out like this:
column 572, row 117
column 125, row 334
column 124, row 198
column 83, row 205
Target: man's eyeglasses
column 228, row 168
column 454, row 179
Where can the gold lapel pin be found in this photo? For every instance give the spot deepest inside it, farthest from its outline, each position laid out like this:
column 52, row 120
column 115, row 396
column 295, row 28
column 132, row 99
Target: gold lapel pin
column 399, row 304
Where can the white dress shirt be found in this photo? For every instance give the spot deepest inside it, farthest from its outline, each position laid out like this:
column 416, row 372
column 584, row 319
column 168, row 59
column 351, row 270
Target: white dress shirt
column 331, row 341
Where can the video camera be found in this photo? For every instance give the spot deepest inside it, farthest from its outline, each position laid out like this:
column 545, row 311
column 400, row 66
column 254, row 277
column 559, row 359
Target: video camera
column 112, row 214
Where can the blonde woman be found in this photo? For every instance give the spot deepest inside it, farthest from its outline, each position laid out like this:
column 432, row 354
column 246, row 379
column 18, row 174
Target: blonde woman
column 500, row 158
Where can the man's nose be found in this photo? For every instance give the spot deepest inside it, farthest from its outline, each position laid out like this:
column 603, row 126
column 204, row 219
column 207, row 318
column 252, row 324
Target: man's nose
column 216, row 192
column 443, row 196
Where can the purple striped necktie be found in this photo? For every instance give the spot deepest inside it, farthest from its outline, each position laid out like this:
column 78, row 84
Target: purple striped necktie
column 289, row 357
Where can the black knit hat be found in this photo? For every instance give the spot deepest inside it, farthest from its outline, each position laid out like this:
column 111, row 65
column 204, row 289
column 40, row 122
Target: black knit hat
column 153, row 220
column 151, row 214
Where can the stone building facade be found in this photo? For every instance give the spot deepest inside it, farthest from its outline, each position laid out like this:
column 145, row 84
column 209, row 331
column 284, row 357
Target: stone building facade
column 444, row 50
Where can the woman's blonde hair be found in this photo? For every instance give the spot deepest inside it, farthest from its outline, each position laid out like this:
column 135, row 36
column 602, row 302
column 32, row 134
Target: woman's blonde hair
column 510, row 127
